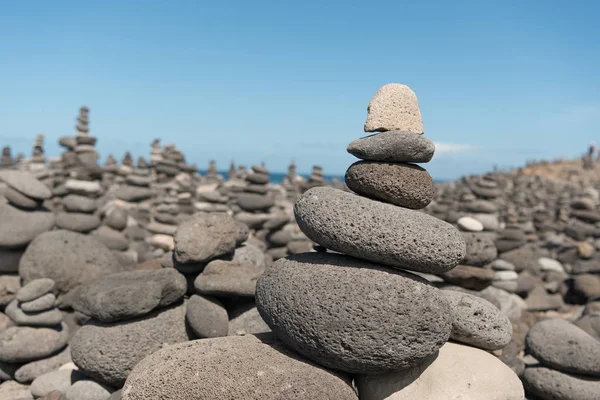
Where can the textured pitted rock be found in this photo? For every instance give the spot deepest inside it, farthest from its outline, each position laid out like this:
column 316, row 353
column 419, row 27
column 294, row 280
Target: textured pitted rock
column 77, row 222
column 45, row 318
column 474, row 278
column 70, row 259
column 108, row 352
column 378, row 232
column 480, row 249
column 32, row 370
column 227, row 278
column 405, row 185
column 309, row 300
column 561, row 345
column 12, row 390
column 21, row 344
column 234, row 367
column 25, row 183
column 551, row 384
column 204, row 237
column 477, row 322
column 18, row 228
column 207, row 317
column 393, row 146
column 88, row 390
column 394, row 107
column 43, row 303
column 131, row 294
column 457, row 372
column 77, row 203
column 246, row 320
column 35, row 289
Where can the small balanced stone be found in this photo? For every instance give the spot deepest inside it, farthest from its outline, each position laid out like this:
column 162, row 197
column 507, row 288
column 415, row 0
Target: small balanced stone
column 393, row 146
column 394, row 107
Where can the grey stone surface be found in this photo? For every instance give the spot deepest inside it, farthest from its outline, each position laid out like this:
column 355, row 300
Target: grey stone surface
column 25, row 183
column 44, row 303
column 477, row 322
column 393, row 146
column 561, row 345
column 404, row 185
column 394, row 107
column 480, row 249
column 204, row 237
column 551, row 384
column 19, row 228
column 254, row 202
column 108, row 352
column 378, row 232
column 77, row 222
column 227, row 278
column 88, row 390
column 35, row 289
column 111, row 238
column 21, row 344
column 9, row 260
column 131, row 294
column 44, row 318
column 134, row 193
column 310, row 301
column 59, row 380
column 19, row 199
column 11, row 390
column 28, row 372
column 246, row 320
column 207, row 317
column 235, row 367
column 116, row 219
column 78, row 203
column 70, row 259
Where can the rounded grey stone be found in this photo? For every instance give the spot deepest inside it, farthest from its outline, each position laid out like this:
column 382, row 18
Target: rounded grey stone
column 477, row 322
column 25, row 183
column 404, row 185
column 88, row 390
column 117, row 219
column 246, row 320
column 19, row 199
column 393, row 146
column 207, row 317
column 35, row 289
column 227, row 278
column 254, row 202
column 108, row 352
column 234, row 367
column 378, row 232
column 43, row 303
column 481, row 249
column 111, row 238
column 131, row 294
column 310, row 301
column 77, row 203
column 204, row 237
column 28, row 372
column 45, row 318
column 77, row 222
column 59, row 380
column 19, row 228
column 70, row 259
column 561, row 345
column 551, row 384
column 21, row 344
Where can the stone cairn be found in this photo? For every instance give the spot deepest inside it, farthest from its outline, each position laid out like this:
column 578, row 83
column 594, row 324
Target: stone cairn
column 231, row 171
column 315, row 179
column 86, row 144
column 212, row 174
column 6, row 161
column 254, row 200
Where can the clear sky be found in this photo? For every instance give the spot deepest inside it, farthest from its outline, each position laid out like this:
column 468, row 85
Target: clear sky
column 497, row 82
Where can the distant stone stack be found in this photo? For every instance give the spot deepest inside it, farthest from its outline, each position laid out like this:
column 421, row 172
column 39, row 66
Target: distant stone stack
column 242, row 172
column 169, row 166
column 79, row 206
column 6, row 161
column 255, row 200
column 315, row 179
column 212, row 174
column 127, row 160
column 37, row 156
column 292, row 181
column 86, row 144
column 232, row 171
column 155, row 151
column 111, row 165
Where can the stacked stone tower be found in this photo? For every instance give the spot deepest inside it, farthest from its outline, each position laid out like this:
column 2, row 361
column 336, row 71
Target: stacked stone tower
column 86, row 144
column 6, row 160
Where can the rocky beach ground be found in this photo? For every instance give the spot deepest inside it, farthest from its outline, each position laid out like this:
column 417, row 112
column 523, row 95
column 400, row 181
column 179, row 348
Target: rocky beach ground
column 148, row 280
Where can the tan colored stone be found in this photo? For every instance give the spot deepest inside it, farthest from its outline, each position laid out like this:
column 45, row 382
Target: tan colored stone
column 394, row 107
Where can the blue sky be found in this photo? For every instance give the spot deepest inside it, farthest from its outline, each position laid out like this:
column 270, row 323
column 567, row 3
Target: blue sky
column 497, row 82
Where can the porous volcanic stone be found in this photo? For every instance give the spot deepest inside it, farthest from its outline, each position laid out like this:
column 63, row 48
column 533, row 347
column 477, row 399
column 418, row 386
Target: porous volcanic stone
column 32, row 370
column 405, row 185
column 207, row 317
column 477, row 322
column 378, row 232
column 394, row 107
column 480, row 249
column 234, row 367
column 21, row 344
column 227, row 278
column 551, row 384
column 204, row 237
column 18, row 228
column 108, row 353
column 25, row 183
column 131, row 294
column 561, row 345
column 309, row 301
column 474, row 278
column 393, row 146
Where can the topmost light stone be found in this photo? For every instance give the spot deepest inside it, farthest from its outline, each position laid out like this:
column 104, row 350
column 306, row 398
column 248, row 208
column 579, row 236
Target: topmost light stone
column 394, row 107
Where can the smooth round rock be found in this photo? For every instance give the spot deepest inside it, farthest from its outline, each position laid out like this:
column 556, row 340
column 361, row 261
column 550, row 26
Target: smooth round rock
column 234, row 367
column 19, row 228
column 111, row 238
column 254, row 202
column 77, row 222
column 458, row 372
column 378, row 232
column 477, row 322
column 12, row 390
column 59, row 380
column 474, row 278
column 77, row 203
column 393, row 146
column 394, row 107
column 19, row 199
column 43, row 303
column 130, row 294
column 116, row 219
column 551, row 384
column 405, row 185
column 469, row 224
column 561, row 345
column 310, row 301
column 21, row 344
column 35, row 289
column 207, row 317
column 28, row 372
column 204, row 237
column 44, row 318
column 88, row 390
column 227, row 278
column 26, row 183
column 108, row 352
column 246, row 320
column 70, row 259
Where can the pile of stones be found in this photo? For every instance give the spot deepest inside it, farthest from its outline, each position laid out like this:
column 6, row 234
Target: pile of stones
column 6, row 160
